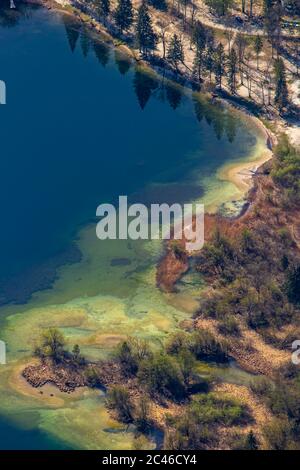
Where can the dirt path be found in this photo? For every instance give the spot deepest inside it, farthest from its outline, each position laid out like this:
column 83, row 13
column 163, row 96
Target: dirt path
column 246, row 28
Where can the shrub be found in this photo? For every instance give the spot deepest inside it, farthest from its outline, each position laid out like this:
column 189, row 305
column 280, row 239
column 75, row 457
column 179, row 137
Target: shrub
column 248, row 442
column 159, row 4
column 261, row 387
column 186, row 362
column 178, row 342
column 277, row 434
column 229, row 326
column 178, row 249
column 194, row 430
column 292, row 285
column 211, row 409
column 205, row 347
column 118, row 399
column 142, row 415
column 52, row 345
column 200, row 343
column 161, row 376
column 131, row 353
column 286, row 170
column 92, row 377
column 188, row 435
column 76, row 357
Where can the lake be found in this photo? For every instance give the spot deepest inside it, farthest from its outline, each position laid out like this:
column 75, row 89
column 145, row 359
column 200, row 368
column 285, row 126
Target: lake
column 82, row 125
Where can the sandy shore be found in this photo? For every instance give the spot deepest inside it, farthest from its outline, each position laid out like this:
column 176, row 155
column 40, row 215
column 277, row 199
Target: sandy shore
column 241, row 173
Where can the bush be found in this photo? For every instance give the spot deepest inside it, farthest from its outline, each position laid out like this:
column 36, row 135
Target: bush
column 51, row 345
column 142, row 415
column 205, row 347
column 286, row 170
column 261, row 387
column 248, row 442
column 194, row 430
column 92, row 377
column 131, row 353
column 119, row 400
column 186, row 362
column 161, row 376
column 188, row 435
column 76, row 357
column 292, row 285
column 211, row 409
column 177, row 342
column 229, row 326
column 159, row 4
column 277, row 434
column 200, row 343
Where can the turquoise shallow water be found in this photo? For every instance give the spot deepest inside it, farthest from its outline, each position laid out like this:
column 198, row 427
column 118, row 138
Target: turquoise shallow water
column 83, row 125
column 77, row 132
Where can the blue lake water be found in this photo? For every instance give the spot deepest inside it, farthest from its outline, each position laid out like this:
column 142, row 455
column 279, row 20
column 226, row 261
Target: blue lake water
column 83, row 125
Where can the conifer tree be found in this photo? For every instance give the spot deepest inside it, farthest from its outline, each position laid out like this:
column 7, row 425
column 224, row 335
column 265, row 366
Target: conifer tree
column 219, row 6
column 124, row 15
column 102, row 8
column 258, row 46
column 251, row 441
column 232, row 70
column 292, row 285
column 199, row 35
column 199, row 40
column 209, row 60
column 175, row 51
column 198, row 64
column 281, row 91
column 159, row 4
column 145, row 35
column 219, row 64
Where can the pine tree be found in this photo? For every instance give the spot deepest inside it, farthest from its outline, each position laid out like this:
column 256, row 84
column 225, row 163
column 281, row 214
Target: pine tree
column 102, row 8
column 124, row 15
column 272, row 22
column 175, row 51
column 159, row 4
column 198, row 64
column 267, row 5
column 199, row 38
column 232, row 70
column 219, row 64
column 145, row 35
column 199, row 35
column 251, row 442
column 209, row 60
column 258, row 46
column 219, row 6
column 292, row 285
column 281, row 91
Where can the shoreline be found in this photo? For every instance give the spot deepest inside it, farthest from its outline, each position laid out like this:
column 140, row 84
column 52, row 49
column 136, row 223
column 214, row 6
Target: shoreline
column 241, row 173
